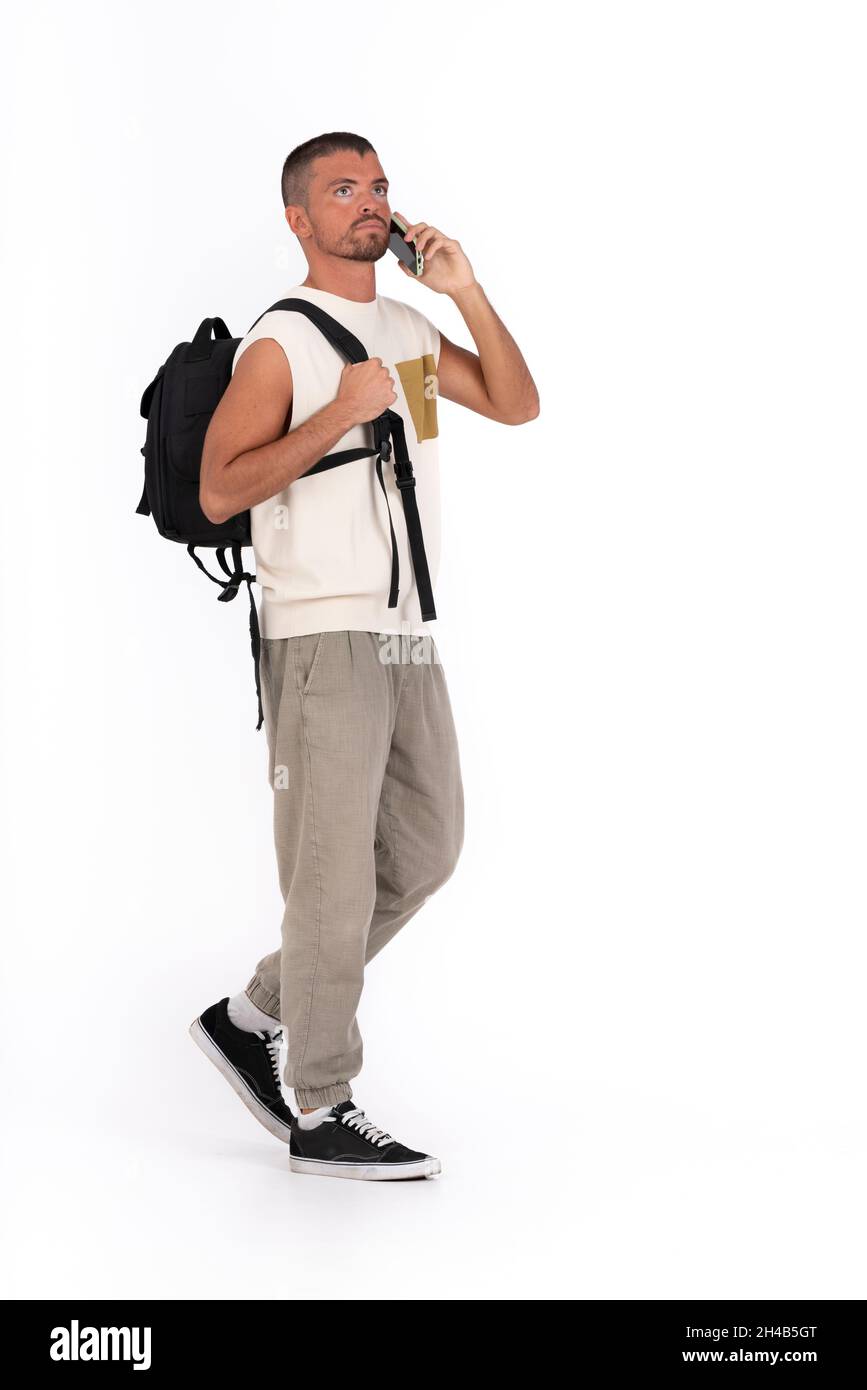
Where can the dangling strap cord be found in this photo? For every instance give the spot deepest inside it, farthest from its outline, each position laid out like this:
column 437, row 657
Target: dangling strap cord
column 230, row 586
column 405, row 479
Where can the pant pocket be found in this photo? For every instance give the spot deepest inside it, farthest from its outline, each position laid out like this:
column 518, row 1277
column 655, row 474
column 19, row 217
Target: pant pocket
column 306, row 651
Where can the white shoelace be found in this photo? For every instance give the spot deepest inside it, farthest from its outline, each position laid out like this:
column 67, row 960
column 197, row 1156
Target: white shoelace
column 272, row 1042
column 356, row 1119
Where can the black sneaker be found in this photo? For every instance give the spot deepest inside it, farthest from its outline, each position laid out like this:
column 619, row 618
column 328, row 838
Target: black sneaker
column 346, row 1145
column 250, row 1063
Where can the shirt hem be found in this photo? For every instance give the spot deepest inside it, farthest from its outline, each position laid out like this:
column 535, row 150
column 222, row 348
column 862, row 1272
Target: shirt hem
column 298, row 617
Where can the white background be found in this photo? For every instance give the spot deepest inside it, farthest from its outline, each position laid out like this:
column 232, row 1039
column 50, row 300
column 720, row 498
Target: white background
column 631, row 1024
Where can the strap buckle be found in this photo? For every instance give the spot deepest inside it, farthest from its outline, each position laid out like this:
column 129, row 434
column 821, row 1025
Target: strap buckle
column 385, row 450
column 405, row 482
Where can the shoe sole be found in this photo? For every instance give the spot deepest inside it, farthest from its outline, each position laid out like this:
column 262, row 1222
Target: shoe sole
column 203, row 1040
column 377, row 1172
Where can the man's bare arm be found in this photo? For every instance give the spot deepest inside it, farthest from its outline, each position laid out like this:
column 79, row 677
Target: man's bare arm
column 247, row 455
column 496, row 383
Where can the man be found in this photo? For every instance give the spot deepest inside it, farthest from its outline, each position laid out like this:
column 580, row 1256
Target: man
column 363, row 757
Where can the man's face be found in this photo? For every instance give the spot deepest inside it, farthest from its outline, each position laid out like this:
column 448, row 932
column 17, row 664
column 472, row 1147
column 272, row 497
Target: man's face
column 347, row 206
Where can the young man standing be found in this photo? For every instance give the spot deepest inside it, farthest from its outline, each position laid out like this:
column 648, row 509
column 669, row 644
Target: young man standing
column 363, row 756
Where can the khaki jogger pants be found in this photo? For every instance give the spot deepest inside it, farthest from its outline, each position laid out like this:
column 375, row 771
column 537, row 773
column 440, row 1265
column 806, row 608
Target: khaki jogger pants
column 368, row 823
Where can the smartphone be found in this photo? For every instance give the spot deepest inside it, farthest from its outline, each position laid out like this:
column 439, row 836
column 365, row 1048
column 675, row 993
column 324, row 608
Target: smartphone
column 404, row 250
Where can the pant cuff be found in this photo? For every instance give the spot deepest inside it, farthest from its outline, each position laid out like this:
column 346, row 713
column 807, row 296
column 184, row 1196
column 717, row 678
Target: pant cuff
column 263, row 998
column 309, row 1098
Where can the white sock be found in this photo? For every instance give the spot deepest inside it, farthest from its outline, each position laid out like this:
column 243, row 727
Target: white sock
column 314, row 1118
column 249, row 1017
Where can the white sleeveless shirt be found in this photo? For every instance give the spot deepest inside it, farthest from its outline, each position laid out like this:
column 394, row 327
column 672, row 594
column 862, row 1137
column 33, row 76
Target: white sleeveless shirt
column 323, row 545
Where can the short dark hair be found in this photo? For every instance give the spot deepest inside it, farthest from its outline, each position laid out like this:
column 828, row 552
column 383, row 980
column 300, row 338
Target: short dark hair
column 295, row 180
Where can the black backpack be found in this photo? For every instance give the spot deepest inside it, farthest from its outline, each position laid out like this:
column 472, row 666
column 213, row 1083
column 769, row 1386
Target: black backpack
column 178, row 405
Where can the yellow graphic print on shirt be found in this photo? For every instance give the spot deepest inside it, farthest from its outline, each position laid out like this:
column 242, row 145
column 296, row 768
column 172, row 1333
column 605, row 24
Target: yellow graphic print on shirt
column 419, row 381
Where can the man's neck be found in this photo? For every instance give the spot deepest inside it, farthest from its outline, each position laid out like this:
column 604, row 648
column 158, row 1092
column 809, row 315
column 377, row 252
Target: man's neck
column 360, row 288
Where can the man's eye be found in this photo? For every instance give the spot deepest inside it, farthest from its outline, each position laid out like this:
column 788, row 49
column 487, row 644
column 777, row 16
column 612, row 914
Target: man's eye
column 378, row 185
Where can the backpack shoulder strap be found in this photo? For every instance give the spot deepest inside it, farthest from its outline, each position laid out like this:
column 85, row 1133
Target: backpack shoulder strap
column 340, row 338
